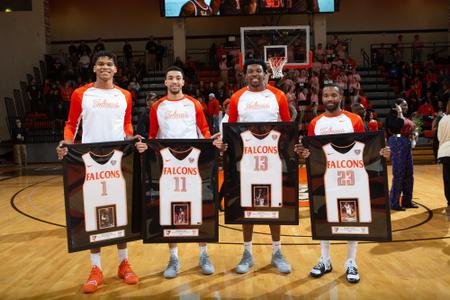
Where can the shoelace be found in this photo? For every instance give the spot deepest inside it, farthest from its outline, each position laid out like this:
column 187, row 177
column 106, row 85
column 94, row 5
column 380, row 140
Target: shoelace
column 319, row 266
column 172, row 263
column 352, row 270
column 205, row 260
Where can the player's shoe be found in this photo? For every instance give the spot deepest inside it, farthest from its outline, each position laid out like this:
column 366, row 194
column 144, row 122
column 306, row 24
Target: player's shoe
column 246, row 263
column 351, row 269
column 280, row 263
column 323, row 266
column 206, row 265
column 126, row 273
column 94, row 280
column 172, row 267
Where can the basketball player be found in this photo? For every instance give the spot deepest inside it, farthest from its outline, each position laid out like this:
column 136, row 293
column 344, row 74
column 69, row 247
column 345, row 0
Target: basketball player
column 238, row 7
column 105, row 110
column 335, row 121
column 189, row 123
column 194, row 8
column 268, row 104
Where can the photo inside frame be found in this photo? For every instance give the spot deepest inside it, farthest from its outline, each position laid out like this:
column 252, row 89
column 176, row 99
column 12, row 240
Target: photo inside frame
column 106, row 216
column 181, row 213
column 348, row 210
column 261, row 195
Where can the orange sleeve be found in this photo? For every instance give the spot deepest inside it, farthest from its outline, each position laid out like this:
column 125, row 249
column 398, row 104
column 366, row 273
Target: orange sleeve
column 233, row 113
column 127, row 125
column 283, row 105
column 73, row 119
column 312, row 126
column 202, row 125
column 358, row 124
column 154, row 125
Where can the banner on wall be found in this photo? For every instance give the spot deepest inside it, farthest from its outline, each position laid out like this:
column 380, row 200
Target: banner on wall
column 180, row 188
column 260, row 173
column 102, row 200
column 348, row 191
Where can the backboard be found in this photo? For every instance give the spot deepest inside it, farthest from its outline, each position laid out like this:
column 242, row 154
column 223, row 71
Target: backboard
column 267, row 41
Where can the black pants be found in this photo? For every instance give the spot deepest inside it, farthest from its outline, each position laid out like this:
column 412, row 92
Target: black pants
column 446, row 175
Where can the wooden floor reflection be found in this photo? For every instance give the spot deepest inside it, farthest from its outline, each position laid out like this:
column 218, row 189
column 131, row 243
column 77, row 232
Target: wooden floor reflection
column 36, row 265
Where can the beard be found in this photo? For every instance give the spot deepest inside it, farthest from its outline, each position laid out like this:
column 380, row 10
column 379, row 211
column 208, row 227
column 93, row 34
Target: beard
column 332, row 106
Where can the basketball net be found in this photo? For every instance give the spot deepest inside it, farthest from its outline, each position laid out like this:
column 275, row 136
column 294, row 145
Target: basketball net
column 276, row 64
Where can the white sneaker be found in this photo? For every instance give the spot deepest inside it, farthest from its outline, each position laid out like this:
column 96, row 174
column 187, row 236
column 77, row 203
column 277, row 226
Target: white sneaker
column 351, row 269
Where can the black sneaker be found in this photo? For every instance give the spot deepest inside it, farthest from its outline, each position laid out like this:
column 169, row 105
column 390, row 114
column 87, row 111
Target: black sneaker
column 322, row 267
column 351, row 271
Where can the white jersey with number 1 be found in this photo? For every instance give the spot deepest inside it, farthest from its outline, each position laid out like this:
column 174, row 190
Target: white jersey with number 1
column 261, row 164
column 104, row 185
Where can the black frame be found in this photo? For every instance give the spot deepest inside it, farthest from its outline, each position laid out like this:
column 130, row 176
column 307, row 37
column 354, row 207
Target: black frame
column 131, row 231
column 234, row 212
column 209, row 229
column 379, row 229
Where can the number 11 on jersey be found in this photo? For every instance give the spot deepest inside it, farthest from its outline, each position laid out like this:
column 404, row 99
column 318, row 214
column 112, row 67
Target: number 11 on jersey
column 180, row 184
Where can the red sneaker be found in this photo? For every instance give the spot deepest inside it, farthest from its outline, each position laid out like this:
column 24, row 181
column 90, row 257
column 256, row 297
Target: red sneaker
column 126, row 273
column 95, row 279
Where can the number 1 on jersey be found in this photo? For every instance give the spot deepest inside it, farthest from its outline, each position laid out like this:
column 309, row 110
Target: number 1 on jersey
column 104, row 193
column 180, row 184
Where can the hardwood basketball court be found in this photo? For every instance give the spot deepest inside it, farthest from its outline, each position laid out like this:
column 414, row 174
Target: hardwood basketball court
column 36, row 264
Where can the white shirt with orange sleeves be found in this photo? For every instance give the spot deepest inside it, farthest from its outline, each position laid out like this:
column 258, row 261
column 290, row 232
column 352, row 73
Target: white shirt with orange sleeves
column 178, row 119
column 346, row 122
column 106, row 114
column 269, row 105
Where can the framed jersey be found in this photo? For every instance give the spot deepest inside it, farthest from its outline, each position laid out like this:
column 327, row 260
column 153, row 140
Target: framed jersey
column 260, row 173
column 102, row 201
column 180, row 188
column 348, row 189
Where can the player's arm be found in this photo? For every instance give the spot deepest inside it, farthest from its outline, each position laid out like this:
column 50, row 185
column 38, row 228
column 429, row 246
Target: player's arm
column 200, row 119
column 187, row 10
column 127, row 125
column 71, row 125
column 233, row 109
column 283, row 105
column 154, row 125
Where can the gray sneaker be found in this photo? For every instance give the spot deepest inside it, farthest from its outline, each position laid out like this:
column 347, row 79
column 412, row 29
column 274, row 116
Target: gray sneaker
column 281, row 264
column 206, row 265
column 172, row 267
column 245, row 263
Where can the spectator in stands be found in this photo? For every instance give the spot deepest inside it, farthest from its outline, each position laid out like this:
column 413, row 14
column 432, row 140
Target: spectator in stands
column 66, row 93
column 417, row 46
column 426, row 109
column 84, row 64
column 400, row 46
column 213, row 113
column 223, row 69
column 83, row 48
column 443, row 135
column 73, row 50
column 134, row 87
column 319, row 53
column 400, row 131
column 100, row 46
column 314, row 102
column 178, row 62
column 151, row 53
column 159, row 55
column 35, row 96
column 225, row 108
column 360, row 110
column 18, row 140
column 353, row 89
column 212, row 56
column 144, row 119
column 302, row 104
column 128, row 53
column 372, row 123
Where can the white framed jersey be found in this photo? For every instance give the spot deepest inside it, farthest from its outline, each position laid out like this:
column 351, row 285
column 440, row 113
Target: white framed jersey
column 180, row 182
column 346, row 178
column 261, row 170
column 104, row 186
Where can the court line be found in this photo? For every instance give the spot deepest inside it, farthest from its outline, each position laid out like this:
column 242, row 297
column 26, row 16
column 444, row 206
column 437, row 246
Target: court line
column 430, row 216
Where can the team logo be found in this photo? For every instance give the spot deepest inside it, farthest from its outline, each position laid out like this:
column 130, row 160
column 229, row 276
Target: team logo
column 191, row 160
column 274, row 137
column 357, row 152
column 113, row 162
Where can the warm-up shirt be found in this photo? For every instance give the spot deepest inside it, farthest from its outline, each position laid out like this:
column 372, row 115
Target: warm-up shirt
column 178, row 119
column 105, row 113
column 269, row 105
column 345, row 122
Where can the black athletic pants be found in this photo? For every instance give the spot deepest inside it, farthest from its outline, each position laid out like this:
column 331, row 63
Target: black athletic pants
column 446, row 175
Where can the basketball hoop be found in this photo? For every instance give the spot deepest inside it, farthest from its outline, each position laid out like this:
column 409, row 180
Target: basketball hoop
column 276, row 64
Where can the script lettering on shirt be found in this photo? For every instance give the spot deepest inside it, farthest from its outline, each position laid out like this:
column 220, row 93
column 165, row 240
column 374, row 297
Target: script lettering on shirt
column 257, row 106
column 180, row 171
column 331, row 130
column 102, row 175
column 345, row 164
column 261, row 150
column 104, row 103
column 176, row 115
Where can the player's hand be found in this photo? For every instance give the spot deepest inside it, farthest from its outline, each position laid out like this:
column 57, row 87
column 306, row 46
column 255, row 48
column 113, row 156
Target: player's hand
column 61, row 149
column 385, row 152
column 218, row 142
column 301, row 151
column 140, row 146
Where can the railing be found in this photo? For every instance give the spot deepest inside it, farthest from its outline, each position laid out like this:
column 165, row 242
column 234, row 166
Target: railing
column 366, row 59
column 391, row 53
